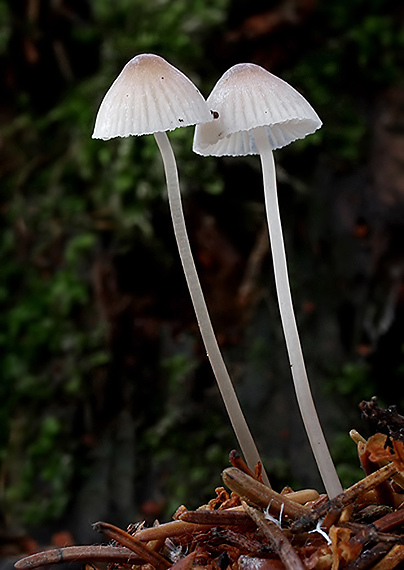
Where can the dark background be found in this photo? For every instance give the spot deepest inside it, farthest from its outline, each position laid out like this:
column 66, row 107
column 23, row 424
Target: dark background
column 109, row 409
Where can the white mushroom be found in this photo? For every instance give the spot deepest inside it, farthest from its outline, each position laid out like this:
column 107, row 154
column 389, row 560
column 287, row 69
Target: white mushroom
column 150, row 96
column 256, row 113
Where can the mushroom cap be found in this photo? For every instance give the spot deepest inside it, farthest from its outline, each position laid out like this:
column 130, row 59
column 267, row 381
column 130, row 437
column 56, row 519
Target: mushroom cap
column 249, row 96
column 148, row 96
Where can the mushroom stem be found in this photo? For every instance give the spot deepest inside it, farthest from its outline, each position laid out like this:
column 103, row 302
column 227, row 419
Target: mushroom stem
column 224, row 382
column 302, row 387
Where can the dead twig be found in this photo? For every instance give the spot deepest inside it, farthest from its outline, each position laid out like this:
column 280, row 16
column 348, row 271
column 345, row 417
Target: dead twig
column 302, row 496
column 392, row 559
column 225, row 517
column 260, row 495
column 331, row 509
column 129, row 541
column 82, row 554
column 237, row 461
column 390, row 521
column 244, row 543
column 368, row 557
column 170, row 529
column 276, row 537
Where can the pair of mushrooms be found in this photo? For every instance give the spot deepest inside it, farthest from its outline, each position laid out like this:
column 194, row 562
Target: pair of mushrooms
column 249, row 111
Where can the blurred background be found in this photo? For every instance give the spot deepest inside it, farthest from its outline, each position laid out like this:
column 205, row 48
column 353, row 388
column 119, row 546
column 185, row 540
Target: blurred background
column 109, row 410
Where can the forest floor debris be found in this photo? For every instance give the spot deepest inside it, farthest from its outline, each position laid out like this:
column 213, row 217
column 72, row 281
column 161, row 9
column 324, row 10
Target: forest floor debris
column 252, row 527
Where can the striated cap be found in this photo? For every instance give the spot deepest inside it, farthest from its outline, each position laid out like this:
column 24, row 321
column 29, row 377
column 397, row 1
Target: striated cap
column 248, row 96
column 148, row 96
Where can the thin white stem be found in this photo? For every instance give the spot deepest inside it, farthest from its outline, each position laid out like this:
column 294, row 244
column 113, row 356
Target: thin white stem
column 300, row 380
column 224, row 382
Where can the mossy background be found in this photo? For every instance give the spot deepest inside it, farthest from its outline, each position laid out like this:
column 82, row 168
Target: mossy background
column 108, row 407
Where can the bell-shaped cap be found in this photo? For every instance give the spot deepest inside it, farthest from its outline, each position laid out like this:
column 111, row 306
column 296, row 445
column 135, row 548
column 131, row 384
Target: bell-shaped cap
column 148, row 96
column 248, row 96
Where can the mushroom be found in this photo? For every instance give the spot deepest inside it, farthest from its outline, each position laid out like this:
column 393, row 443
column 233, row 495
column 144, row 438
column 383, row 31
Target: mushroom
column 150, row 96
column 256, row 113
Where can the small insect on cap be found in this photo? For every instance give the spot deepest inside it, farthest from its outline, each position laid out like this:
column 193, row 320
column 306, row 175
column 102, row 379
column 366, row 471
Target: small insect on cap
column 248, row 96
column 148, row 96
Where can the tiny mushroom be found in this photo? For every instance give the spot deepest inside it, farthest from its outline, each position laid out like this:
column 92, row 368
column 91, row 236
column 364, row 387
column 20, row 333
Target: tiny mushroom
column 257, row 112
column 150, row 96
